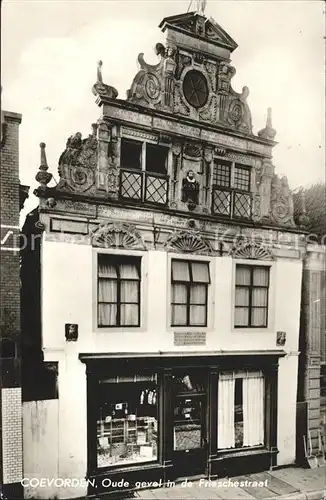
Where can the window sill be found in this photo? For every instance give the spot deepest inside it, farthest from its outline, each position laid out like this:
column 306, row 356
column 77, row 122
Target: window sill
column 118, row 329
column 250, row 329
column 242, row 452
column 102, row 471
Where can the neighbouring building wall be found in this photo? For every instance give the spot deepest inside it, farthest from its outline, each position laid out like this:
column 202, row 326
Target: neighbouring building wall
column 311, row 386
column 10, row 367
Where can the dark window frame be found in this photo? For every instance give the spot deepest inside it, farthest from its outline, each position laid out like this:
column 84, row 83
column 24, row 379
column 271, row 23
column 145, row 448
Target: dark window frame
column 118, row 260
column 231, row 187
column 134, row 143
column 189, row 285
column 251, row 287
column 144, row 176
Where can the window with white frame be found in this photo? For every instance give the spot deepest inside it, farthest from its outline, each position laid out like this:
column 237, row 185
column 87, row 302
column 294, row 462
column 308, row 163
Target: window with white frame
column 189, row 294
column 144, row 171
column 231, row 189
column 241, row 417
column 251, row 296
column 119, row 279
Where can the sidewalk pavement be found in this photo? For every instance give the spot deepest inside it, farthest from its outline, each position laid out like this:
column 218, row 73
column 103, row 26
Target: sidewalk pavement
column 291, row 483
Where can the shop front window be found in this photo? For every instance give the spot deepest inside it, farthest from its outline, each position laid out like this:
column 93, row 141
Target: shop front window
column 127, row 420
column 241, row 397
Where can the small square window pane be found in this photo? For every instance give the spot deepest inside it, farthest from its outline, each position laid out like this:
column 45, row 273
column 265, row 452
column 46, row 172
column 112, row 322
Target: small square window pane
column 200, row 272
column 129, row 291
column 260, row 277
column 259, row 297
column 179, row 293
column 242, row 275
column 259, row 316
column 180, row 270
column 129, row 314
column 198, row 315
column 107, row 315
column 241, row 316
column 242, row 297
column 129, row 271
column 179, row 315
column 198, row 294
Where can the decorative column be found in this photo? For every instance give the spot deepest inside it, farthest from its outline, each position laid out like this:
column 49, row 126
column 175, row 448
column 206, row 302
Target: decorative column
column 207, row 179
column 108, row 159
column 175, row 177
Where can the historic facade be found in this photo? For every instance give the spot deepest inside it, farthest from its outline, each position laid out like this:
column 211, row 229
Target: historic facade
column 12, row 198
column 169, row 281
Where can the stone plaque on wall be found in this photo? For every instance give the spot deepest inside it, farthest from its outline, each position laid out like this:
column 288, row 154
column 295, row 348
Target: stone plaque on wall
column 189, row 338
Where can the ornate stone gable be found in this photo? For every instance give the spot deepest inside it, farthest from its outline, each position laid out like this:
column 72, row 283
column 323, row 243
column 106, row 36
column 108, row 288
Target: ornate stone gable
column 192, row 82
column 197, row 25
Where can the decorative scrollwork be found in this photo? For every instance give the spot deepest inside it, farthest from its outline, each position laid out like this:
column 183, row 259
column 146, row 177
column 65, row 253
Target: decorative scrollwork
column 188, row 242
column 117, row 236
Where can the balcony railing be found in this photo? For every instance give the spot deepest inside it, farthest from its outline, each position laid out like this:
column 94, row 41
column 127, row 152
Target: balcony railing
column 144, row 186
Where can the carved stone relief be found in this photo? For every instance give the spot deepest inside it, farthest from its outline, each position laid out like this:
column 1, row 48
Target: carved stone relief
column 117, row 235
column 251, row 251
column 188, row 242
column 77, row 164
column 281, row 201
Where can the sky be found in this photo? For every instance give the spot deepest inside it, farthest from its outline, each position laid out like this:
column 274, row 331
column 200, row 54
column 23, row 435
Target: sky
column 50, row 49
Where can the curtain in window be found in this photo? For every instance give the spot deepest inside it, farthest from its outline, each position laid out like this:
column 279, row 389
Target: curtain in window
column 118, row 293
column 253, row 409
column 179, row 301
column 225, row 426
column 198, row 304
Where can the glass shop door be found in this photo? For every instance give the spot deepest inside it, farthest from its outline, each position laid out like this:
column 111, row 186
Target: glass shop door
column 190, row 434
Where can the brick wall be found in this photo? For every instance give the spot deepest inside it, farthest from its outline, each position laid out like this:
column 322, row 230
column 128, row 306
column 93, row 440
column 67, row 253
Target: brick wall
column 10, row 372
column 11, row 413
column 9, row 258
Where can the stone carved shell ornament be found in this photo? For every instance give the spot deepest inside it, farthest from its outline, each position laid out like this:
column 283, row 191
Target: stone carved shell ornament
column 114, row 235
column 252, row 251
column 188, row 242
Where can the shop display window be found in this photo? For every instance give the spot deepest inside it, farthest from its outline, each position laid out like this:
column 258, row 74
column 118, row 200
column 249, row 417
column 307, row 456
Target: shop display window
column 127, row 421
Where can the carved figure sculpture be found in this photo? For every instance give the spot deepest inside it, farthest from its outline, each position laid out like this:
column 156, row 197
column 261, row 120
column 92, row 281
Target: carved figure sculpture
column 169, row 70
column 190, row 190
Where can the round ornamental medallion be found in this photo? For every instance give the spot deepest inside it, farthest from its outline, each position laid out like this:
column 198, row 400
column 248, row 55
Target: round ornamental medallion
column 152, row 86
column 195, row 89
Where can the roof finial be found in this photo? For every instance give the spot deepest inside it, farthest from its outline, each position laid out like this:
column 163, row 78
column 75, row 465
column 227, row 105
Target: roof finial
column 201, row 6
column 99, row 72
column 268, row 132
column 42, row 176
column 100, row 89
